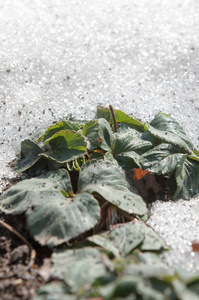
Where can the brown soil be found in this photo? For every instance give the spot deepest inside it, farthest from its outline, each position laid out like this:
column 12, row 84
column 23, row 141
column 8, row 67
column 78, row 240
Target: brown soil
column 16, row 280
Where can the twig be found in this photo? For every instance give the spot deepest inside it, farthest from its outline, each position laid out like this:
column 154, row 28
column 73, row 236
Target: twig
column 32, row 253
column 114, row 118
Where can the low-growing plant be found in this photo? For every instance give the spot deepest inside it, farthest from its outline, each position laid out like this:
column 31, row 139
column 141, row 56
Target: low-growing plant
column 88, row 188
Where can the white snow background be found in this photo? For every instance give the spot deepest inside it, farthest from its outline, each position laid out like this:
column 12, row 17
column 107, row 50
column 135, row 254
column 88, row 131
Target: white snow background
column 68, row 56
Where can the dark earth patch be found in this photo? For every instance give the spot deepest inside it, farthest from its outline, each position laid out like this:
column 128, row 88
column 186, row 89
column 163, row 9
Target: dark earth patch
column 16, row 281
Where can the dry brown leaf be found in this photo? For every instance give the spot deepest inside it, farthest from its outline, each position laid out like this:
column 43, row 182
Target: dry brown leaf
column 146, row 184
column 195, row 245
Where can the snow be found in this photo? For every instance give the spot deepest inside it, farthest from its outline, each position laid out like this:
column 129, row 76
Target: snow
column 66, row 57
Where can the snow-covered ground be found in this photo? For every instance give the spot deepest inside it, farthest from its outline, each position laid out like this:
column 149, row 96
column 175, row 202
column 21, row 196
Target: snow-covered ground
column 68, row 56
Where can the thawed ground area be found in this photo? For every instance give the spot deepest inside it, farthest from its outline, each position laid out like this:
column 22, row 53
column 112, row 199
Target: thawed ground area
column 68, row 56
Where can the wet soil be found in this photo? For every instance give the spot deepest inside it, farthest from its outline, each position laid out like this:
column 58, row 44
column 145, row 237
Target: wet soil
column 16, row 280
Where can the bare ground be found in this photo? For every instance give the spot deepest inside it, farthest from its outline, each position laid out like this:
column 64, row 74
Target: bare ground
column 16, row 280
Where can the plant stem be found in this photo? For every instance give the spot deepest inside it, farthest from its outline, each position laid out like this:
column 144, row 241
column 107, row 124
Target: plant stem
column 114, row 118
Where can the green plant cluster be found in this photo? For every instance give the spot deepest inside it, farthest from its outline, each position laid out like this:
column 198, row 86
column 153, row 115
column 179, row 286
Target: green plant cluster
column 81, row 194
column 89, row 273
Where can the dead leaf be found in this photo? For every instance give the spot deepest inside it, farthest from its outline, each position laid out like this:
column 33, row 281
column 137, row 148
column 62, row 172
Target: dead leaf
column 195, row 245
column 44, row 272
column 146, row 184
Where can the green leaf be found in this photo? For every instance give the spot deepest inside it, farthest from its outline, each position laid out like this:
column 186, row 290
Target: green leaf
column 79, row 268
column 97, row 155
column 51, row 212
column 29, row 155
column 131, row 122
column 76, row 164
column 168, row 130
column 54, row 291
column 65, row 145
column 155, row 289
column 183, row 292
column 109, row 157
column 149, row 270
column 52, row 164
column 154, row 278
column 126, row 142
column 196, row 152
column 63, row 125
column 61, row 219
column 127, row 148
column 124, row 287
column 187, row 178
column 187, row 277
column 120, row 240
column 123, row 238
column 149, row 258
column 104, row 178
column 29, row 192
column 104, row 113
column 152, row 241
column 148, row 278
column 194, row 157
column 121, row 117
column 128, row 161
column 99, row 134
column 162, row 159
